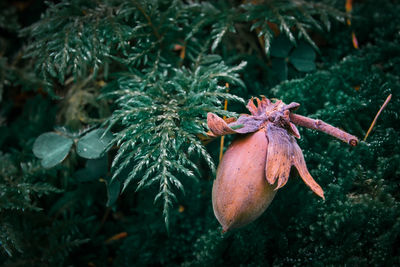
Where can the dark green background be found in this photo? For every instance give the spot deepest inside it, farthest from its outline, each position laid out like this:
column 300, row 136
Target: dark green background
column 73, row 66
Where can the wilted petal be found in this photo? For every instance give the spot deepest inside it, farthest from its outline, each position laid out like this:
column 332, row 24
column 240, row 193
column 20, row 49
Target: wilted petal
column 218, row 126
column 251, row 107
column 283, row 152
column 300, row 164
column 264, row 103
column 261, row 105
column 292, row 106
column 230, row 120
column 293, row 130
column 279, row 155
column 247, row 124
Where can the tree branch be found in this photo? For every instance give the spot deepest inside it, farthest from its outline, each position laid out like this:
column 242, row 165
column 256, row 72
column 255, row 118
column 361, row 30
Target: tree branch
column 141, row 9
column 323, row 127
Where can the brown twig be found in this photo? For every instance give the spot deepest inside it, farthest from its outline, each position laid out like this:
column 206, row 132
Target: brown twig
column 324, row 127
column 183, row 52
column 377, row 115
column 221, row 149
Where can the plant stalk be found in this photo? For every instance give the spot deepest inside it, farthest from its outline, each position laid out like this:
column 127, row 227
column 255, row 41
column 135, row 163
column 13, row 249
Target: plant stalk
column 323, row 127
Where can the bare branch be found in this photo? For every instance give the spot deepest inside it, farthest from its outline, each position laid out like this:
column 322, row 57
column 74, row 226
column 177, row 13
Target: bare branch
column 377, row 115
column 324, row 127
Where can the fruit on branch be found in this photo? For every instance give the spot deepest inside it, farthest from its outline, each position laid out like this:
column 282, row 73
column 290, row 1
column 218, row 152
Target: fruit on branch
column 241, row 193
column 258, row 163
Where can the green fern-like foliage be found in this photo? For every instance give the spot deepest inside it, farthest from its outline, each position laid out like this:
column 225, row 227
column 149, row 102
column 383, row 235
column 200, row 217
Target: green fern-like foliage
column 345, row 226
column 165, row 77
column 160, row 117
column 144, row 74
column 293, row 18
column 76, row 38
column 161, row 101
column 8, row 18
column 19, row 193
column 9, row 24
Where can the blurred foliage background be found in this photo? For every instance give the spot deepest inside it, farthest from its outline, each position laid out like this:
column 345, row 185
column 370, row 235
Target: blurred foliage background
column 103, row 103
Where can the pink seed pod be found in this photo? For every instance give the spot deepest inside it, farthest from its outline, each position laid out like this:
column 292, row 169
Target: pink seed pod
column 257, row 163
column 241, row 193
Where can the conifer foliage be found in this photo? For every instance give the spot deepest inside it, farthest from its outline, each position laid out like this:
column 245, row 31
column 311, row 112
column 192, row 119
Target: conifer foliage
column 104, row 159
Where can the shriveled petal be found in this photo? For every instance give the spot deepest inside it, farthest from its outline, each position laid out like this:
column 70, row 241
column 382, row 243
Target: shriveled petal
column 218, row 126
column 264, row 103
column 230, row 120
column 301, row 166
column 283, row 152
column 246, row 124
column 290, row 127
column 261, row 105
column 292, row 106
column 294, row 131
column 279, row 155
column 251, row 107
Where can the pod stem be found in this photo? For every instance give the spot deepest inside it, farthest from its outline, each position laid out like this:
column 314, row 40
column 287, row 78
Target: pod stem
column 323, row 127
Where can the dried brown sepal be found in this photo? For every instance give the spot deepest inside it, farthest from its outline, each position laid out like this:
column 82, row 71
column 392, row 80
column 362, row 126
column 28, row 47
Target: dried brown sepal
column 261, row 105
column 279, row 156
column 231, row 120
column 245, row 124
column 290, row 127
column 293, row 130
column 218, row 126
column 251, row 107
column 301, row 167
column 283, row 153
column 280, row 128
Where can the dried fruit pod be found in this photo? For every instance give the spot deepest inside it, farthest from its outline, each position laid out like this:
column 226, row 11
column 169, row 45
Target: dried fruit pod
column 240, row 192
column 258, row 163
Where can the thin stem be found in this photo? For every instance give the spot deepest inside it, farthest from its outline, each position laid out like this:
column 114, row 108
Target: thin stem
column 141, row 9
column 221, row 149
column 323, row 127
column 377, row 115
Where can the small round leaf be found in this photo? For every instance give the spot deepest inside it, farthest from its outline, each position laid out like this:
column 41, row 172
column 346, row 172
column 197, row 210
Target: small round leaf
column 303, row 58
column 93, row 144
column 52, row 148
column 281, row 46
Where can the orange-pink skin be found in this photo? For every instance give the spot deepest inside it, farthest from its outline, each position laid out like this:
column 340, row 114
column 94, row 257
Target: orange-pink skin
column 240, row 192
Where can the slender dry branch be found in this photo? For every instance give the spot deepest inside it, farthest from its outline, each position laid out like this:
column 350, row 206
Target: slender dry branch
column 377, row 115
column 221, row 149
column 323, row 127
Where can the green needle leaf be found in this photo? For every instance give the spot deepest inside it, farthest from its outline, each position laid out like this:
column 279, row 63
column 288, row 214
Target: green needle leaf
column 303, row 58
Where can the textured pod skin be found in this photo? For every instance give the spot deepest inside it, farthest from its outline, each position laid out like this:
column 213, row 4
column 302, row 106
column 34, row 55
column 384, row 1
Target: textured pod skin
column 240, row 192
column 258, row 163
